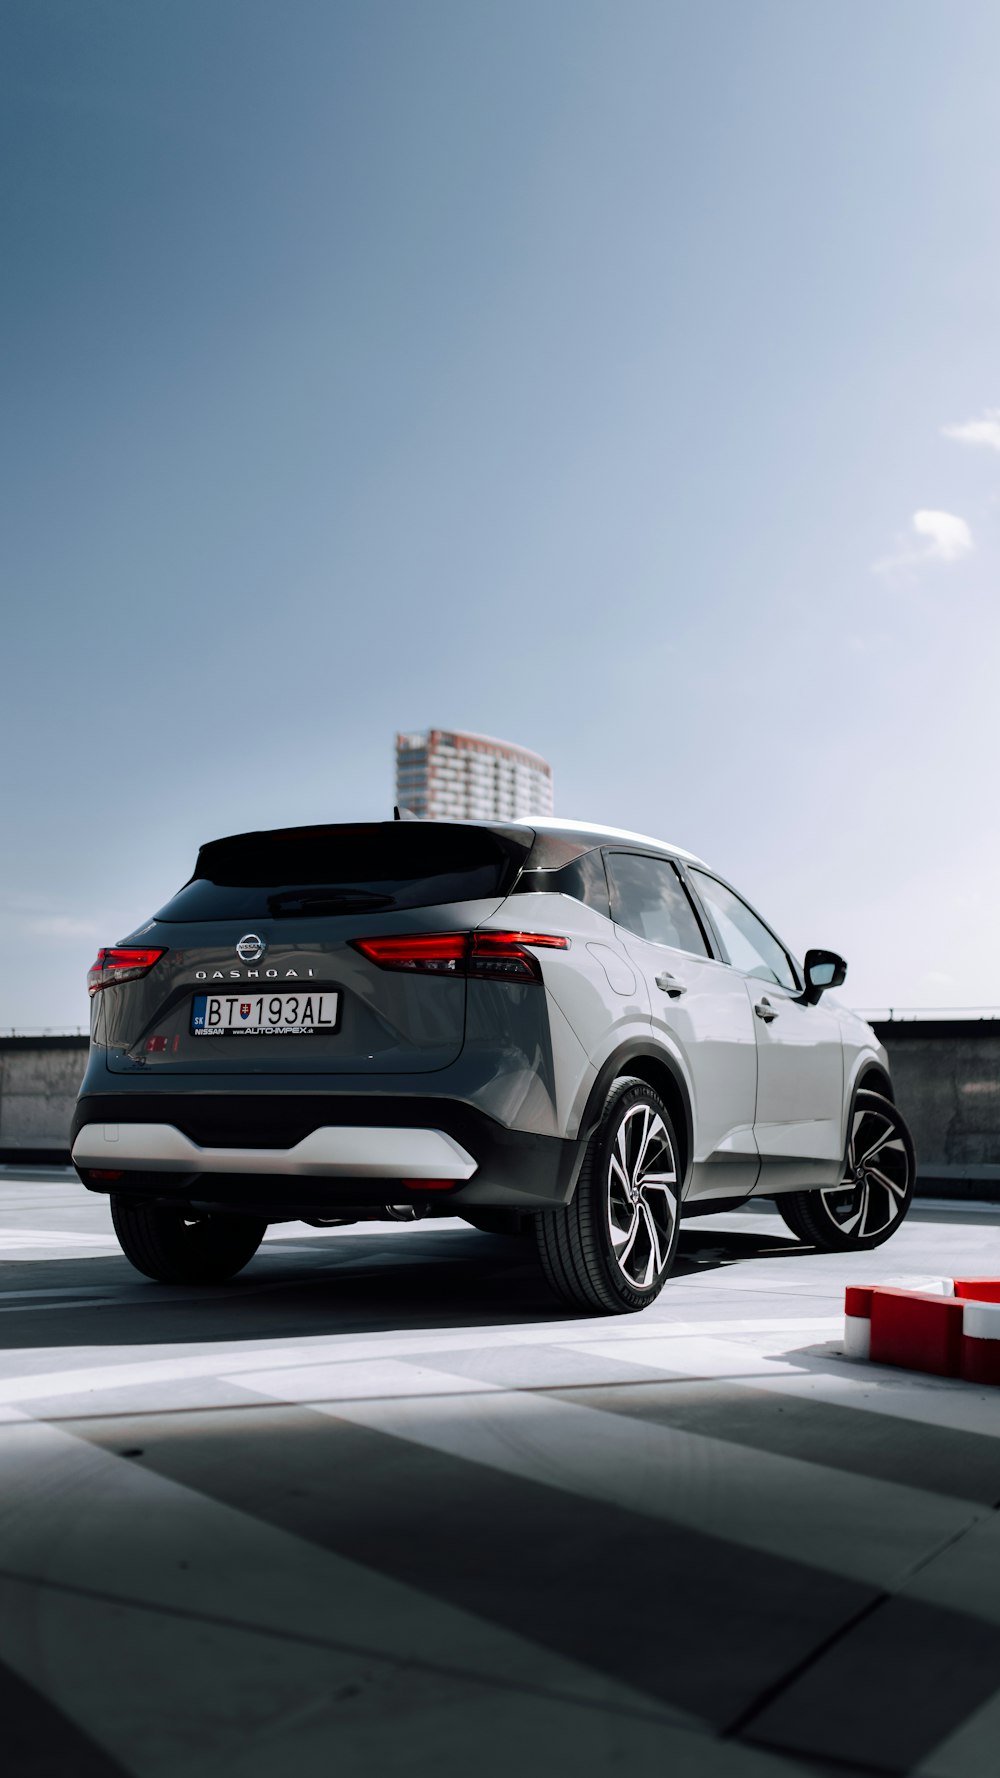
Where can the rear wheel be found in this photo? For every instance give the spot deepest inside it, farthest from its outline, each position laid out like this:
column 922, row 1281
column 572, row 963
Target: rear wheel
column 876, row 1191
column 611, row 1249
column 181, row 1247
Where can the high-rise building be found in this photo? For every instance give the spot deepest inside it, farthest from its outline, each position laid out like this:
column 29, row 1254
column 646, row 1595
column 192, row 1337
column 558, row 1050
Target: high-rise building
column 445, row 776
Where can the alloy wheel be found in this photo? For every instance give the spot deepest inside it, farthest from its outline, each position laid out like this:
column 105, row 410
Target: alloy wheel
column 641, row 1196
column 877, row 1175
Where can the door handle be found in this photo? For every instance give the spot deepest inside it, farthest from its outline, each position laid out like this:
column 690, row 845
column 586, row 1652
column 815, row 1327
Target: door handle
column 765, row 1010
column 670, row 985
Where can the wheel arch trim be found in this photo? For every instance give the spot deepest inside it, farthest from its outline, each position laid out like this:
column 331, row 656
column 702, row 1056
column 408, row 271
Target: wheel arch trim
column 868, row 1074
column 875, row 1078
column 657, row 1069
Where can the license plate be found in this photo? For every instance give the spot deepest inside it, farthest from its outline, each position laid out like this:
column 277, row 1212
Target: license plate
column 263, row 1015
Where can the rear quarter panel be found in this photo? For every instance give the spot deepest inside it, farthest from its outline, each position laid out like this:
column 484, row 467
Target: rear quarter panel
column 596, row 999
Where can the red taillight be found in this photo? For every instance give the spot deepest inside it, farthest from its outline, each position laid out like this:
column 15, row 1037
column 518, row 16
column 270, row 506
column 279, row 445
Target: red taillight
column 432, row 953
column 486, row 956
column 122, row 963
column 501, row 956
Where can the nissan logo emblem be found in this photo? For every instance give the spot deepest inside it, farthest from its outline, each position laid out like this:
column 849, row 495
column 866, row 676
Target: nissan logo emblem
column 251, row 947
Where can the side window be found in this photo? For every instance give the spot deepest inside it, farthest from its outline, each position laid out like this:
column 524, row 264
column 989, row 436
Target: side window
column 648, row 898
column 750, row 947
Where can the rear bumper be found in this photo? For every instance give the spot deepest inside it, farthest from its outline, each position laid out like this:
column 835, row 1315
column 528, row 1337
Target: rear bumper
column 351, row 1152
column 289, row 1154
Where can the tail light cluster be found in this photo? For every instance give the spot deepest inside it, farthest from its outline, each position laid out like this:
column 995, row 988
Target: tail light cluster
column 122, row 963
column 483, row 956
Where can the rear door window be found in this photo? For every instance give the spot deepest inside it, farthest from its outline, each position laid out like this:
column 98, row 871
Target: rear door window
column 364, row 869
column 649, row 899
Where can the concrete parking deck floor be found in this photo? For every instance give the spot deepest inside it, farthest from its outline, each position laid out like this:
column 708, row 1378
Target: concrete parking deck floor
column 378, row 1507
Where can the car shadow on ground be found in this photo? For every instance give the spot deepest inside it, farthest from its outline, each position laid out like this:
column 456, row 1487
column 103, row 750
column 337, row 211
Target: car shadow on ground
column 311, row 1287
column 703, row 1249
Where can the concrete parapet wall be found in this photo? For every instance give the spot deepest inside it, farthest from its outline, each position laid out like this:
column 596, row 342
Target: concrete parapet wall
column 39, row 1081
column 946, row 1074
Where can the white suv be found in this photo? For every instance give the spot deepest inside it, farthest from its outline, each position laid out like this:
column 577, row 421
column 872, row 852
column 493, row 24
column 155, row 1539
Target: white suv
column 557, row 1028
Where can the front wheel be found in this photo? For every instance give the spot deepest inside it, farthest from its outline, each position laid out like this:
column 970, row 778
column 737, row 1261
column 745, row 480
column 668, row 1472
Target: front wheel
column 876, row 1191
column 611, row 1249
column 183, row 1247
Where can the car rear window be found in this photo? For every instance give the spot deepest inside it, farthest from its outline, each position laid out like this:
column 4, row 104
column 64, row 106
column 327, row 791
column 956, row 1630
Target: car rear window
column 370, row 868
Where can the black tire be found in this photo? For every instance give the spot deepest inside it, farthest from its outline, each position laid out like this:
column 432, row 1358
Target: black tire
column 181, row 1247
column 873, row 1200
column 787, row 1206
column 512, row 1223
column 583, row 1262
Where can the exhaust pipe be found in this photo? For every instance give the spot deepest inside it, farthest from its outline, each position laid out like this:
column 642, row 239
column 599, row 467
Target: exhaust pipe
column 368, row 1213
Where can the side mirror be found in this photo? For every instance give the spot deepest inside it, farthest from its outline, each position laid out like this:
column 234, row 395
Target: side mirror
column 823, row 969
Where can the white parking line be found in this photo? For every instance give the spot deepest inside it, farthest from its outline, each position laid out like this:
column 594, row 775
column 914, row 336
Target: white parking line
column 277, row 1354
column 854, row 1526
column 762, row 1364
column 11, row 1240
column 83, row 1521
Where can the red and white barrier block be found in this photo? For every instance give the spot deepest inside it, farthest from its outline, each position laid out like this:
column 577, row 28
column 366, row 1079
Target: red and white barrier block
column 981, row 1342
column 949, row 1327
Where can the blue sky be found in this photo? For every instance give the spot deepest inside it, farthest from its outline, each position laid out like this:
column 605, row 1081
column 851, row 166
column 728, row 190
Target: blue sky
column 620, row 379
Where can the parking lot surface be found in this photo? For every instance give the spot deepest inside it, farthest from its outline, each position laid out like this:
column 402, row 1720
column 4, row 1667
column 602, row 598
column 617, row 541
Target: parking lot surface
column 378, row 1507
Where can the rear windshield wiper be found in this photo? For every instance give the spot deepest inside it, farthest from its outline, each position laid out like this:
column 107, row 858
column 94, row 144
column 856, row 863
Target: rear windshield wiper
column 326, row 901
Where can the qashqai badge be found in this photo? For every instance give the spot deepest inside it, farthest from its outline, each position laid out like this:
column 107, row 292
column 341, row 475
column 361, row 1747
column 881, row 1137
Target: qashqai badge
column 251, row 948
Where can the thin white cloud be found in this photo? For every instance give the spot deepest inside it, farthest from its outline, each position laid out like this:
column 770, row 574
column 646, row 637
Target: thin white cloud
column 948, row 536
column 59, row 926
column 943, row 537
column 985, row 431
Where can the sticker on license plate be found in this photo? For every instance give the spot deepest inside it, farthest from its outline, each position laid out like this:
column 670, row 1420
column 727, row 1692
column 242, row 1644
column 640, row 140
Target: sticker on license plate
column 264, row 1015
